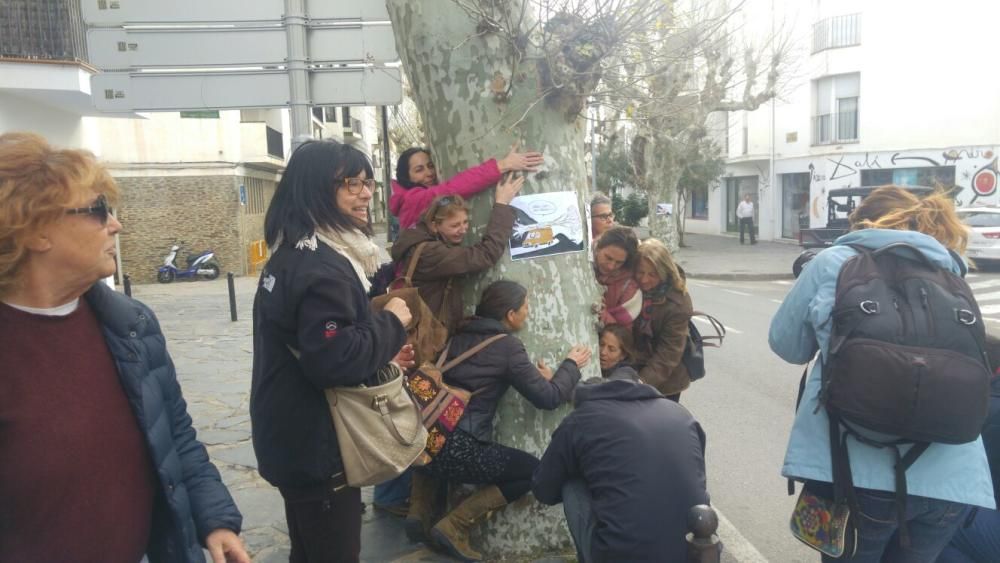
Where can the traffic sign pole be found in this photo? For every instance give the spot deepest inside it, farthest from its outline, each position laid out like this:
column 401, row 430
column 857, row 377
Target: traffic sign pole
column 298, row 72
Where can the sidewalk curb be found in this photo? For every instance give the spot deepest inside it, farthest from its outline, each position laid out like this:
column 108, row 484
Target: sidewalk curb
column 739, row 277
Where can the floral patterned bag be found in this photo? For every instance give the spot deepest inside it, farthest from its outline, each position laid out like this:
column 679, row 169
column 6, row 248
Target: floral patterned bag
column 823, row 525
column 441, row 405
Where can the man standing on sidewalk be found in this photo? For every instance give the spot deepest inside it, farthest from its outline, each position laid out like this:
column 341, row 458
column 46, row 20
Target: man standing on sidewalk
column 744, row 214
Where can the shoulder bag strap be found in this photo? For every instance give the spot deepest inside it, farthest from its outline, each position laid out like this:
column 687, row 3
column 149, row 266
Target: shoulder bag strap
column 474, row 350
column 444, row 355
column 412, row 266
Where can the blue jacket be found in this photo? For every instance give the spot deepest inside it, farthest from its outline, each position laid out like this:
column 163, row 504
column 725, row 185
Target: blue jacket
column 191, row 500
column 801, row 327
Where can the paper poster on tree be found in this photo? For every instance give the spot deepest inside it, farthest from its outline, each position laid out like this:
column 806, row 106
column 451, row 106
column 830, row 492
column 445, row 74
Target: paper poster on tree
column 547, row 224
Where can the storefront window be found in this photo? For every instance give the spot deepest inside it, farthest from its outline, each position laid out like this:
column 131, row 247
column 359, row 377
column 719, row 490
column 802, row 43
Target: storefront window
column 794, row 204
column 698, row 206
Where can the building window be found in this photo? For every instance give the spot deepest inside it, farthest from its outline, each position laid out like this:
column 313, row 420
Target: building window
column 698, row 204
column 258, row 193
column 345, row 112
column 330, row 114
column 275, row 143
column 839, row 31
column 933, row 176
column 835, row 109
column 794, row 204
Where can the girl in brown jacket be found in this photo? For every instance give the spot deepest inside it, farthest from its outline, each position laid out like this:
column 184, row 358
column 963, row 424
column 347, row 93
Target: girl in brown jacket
column 443, row 258
column 661, row 330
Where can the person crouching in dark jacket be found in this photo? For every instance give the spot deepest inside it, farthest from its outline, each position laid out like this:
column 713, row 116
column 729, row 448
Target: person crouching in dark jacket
column 627, row 464
column 313, row 329
column 470, row 455
column 100, row 461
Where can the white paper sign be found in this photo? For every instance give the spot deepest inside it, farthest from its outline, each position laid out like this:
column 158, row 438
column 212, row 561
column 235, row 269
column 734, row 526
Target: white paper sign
column 547, row 224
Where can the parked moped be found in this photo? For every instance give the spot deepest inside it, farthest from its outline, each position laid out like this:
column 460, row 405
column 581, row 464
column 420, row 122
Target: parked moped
column 203, row 266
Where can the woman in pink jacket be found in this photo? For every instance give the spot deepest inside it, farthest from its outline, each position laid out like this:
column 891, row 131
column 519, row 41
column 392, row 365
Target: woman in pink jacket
column 416, row 183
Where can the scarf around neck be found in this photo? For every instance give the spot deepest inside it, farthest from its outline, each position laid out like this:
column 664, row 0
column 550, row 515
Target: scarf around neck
column 359, row 250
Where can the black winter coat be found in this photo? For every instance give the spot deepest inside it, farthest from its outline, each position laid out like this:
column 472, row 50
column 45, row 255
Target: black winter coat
column 642, row 457
column 312, row 301
column 500, row 365
column 191, row 500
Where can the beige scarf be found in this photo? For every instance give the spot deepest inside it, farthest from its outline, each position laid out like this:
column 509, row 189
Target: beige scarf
column 359, row 250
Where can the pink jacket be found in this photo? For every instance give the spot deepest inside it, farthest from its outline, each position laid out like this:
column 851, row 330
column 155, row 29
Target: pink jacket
column 409, row 204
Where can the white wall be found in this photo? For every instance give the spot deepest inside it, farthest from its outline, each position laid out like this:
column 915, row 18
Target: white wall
column 61, row 128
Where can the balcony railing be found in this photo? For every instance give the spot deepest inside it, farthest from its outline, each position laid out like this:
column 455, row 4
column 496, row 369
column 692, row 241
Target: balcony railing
column 839, row 31
column 42, row 29
column 833, row 128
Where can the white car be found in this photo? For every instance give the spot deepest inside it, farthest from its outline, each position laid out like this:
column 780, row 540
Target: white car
column 984, row 232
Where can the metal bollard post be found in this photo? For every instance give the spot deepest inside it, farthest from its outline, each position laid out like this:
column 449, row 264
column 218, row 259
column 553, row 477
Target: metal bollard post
column 232, row 296
column 703, row 544
column 127, row 284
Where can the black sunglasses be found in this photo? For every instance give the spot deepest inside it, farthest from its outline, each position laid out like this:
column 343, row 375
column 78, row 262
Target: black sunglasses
column 100, row 209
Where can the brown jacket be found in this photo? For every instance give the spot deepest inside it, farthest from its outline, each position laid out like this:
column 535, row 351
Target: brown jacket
column 660, row 353
column 441, row 262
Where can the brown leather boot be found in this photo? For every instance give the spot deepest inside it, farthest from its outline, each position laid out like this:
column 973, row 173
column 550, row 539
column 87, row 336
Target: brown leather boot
column 452, row 532
column 423, row 500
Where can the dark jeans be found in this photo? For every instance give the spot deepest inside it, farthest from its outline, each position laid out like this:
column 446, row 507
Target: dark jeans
column 978, row 542
column 324, row 522
column 580, row 517
column 748, row 223
column 931, row 523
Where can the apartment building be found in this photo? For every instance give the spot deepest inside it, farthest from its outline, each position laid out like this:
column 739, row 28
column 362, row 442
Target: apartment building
column 881, row 92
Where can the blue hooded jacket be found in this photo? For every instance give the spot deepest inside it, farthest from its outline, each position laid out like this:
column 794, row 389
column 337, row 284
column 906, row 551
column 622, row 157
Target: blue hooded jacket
column 801, row 327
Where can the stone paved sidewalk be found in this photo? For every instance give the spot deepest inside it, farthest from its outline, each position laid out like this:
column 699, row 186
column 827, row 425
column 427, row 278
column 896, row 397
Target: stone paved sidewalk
column 213, row 359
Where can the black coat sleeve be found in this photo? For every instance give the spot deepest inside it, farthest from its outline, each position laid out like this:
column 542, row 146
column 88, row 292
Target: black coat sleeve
column 341, row 341
column 525, row 377
column 557, row 467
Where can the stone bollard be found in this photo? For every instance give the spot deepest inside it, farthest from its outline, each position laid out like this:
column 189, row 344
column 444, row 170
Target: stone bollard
column 703, row 544
column 232, row 296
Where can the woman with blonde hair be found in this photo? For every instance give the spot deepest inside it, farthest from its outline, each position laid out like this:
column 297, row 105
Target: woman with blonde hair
column 661, row 330
column 947, row 479
column 443, row 258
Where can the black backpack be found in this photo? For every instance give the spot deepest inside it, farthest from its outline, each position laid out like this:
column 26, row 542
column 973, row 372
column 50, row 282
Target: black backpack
column 906, row 358
column 694, row 351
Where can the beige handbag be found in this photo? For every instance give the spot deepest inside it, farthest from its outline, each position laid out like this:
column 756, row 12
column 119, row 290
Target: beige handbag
column 378, row 428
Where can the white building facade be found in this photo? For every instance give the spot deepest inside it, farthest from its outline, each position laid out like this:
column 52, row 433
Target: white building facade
column 887, row 92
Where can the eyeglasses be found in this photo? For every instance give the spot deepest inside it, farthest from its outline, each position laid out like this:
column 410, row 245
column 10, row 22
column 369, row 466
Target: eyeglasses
column 605, row 216
column 100, row 209
column 446, row 200
column 354, row 185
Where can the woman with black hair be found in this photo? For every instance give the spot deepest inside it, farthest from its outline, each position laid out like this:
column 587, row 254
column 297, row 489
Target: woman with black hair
column 416, row 184
column 313, row 329
column 470, row 455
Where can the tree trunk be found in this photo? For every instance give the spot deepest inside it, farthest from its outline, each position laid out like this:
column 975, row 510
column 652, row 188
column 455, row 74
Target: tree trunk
column 661, row 175
column 461, row 80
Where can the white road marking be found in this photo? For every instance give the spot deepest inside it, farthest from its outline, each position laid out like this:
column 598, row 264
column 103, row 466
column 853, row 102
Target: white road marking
column 783, row 282
column 985, row 284
column 991, row 320
column 734, row 292
column 990, row 310
column 728, row 328
column 736, row 544
column 987, row 296
column 778, row 301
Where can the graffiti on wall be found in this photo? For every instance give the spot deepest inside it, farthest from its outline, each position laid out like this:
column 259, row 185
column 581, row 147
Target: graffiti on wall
column 976, row 172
